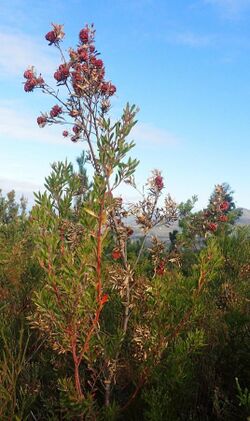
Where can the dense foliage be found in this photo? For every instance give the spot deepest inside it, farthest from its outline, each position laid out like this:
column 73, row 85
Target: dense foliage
column 94, row 325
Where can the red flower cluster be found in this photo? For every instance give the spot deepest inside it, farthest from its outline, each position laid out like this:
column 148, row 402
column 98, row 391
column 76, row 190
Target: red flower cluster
column 85, row 73
column 87, row 70
column 160, row 268
column 87, row 77
column 55, row 111
column 82, row 54
column 55, row 35
column 62, row 73
column 41, row 121
column 32, row 81
column 84, row 35
column 28, row 74
column 51, row 37
column 224, row 206
column 212, row 226
column 98, row 63
column 159, row 182
column 108, row 89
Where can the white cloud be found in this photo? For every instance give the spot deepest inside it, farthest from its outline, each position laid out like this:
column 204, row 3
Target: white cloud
column 7, row 184
column 16, row 125
column 18, row 51
column 22, row 188
column 192, row 39
column 19, row 125
column 145, row 132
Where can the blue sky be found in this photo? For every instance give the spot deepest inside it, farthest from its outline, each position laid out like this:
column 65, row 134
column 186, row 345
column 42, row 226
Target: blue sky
column 185, row 63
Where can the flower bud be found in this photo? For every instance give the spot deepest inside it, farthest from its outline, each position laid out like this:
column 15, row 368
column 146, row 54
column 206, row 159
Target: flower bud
column 41, row 121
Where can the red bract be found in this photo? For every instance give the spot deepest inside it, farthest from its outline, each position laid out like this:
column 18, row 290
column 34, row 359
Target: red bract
column 223, row 218
column 112, row 90
column 92, row 48
column 51, row 37
column 130, row 232
column 55, row 111
column 160, row 268
column 159, row 182
column 41, row 121
column 55, row 35
column 92, row 60
column 99, row 63
column 83, row 54
column 107, row 88
column 212, row 226
column 84, row 35
column 76, row 76
column 76, row 129
column 116, row 254
column 28, row 74
column 224, row 206
column 30, row 85
column 65, row 133
column 58, row 76
column 62, row 73
column 96, row 62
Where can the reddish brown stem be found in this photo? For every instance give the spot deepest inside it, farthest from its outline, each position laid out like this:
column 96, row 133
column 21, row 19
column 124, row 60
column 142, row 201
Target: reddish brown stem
column 77, row 381
column 99, row 251
column 99, row 281
column 90, row 332
column 76, row 364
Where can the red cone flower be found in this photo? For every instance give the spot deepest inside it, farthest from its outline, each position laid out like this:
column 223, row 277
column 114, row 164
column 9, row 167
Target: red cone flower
column 62, row 73
column 55, row 111
column 41, row 121
column 116, row 254
column 28, row 74
column 159, row 182
column 30, row 85
column 224, row 206
column 84, row 35
column 51, row 37
column 212, row 226
column 55, row 35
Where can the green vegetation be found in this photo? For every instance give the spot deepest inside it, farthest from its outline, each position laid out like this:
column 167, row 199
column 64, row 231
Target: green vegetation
column 186, row 351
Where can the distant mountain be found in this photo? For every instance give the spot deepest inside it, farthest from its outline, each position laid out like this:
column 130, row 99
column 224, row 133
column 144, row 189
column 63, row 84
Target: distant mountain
column 162, row 232
column 245, row 217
